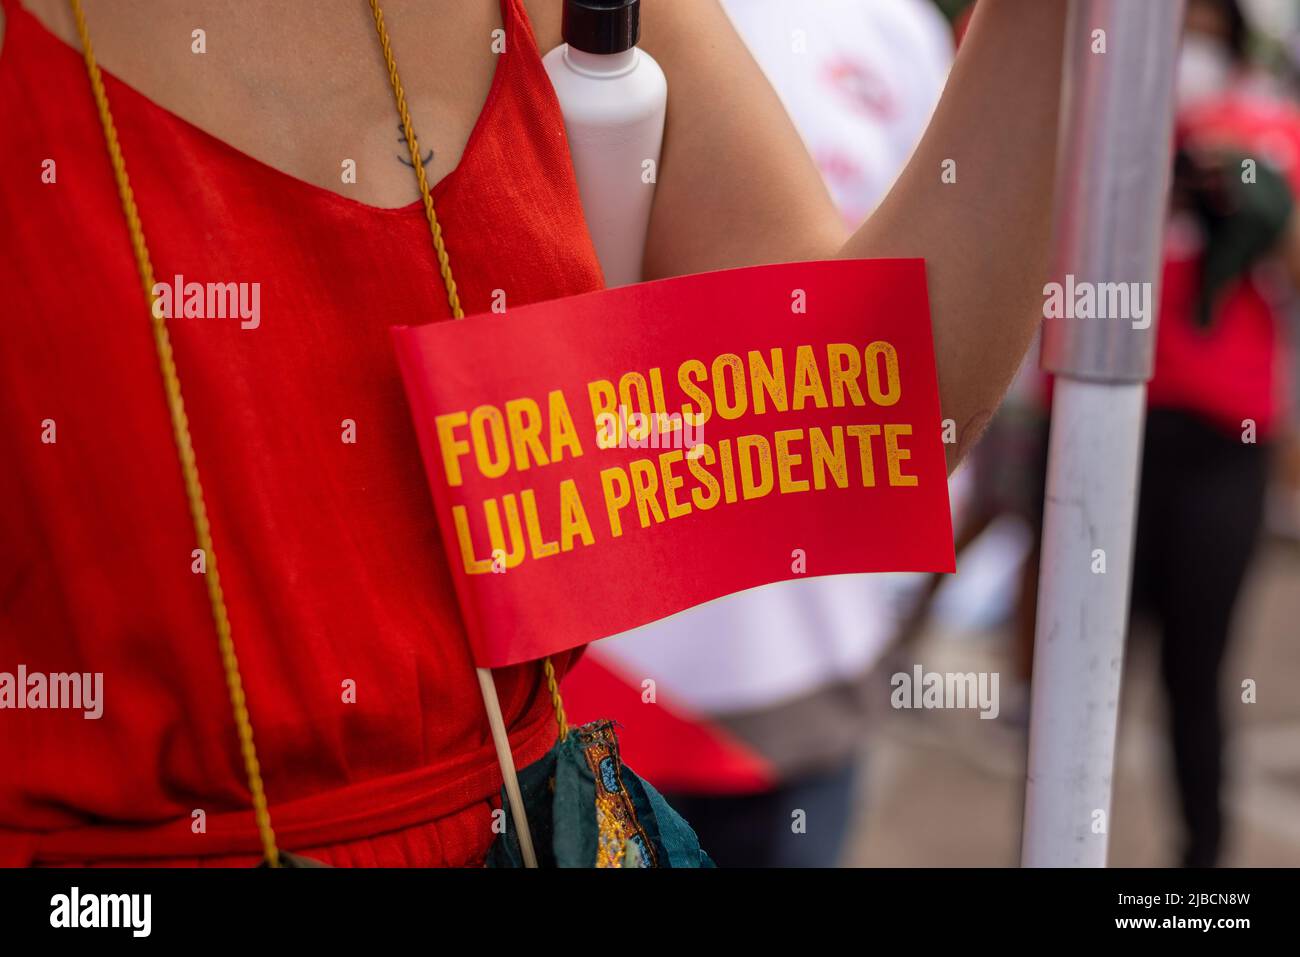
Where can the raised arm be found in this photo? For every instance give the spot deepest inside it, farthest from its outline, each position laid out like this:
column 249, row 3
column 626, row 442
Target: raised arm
column 736, row 186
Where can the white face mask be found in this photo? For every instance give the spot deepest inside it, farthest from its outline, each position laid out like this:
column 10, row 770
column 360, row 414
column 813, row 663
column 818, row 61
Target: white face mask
column 1204, row 68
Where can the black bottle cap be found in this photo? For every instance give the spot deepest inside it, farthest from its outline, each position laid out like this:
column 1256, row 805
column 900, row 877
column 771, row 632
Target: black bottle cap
column 602, row 26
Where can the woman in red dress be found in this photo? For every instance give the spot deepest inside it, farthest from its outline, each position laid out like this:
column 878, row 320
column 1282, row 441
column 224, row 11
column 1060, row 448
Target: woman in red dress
column 240, row 123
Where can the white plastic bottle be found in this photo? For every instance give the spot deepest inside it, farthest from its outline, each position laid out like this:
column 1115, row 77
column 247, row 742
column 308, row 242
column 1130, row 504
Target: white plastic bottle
column 613, row 97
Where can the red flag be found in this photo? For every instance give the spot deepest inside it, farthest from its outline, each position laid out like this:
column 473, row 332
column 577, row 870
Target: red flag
column 606, row 460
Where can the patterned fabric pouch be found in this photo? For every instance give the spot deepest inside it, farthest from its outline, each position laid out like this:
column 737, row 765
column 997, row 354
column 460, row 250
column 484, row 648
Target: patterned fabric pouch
column 587, row 809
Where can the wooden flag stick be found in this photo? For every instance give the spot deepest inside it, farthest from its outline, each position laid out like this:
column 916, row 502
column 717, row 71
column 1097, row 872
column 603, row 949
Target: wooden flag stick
column 507, row 761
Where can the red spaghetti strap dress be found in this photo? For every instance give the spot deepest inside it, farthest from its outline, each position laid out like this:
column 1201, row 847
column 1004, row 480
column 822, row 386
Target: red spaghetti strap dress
column 328, row 550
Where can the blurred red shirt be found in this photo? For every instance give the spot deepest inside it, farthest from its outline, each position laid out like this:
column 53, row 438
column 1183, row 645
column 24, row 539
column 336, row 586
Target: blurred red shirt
column 1235, row 369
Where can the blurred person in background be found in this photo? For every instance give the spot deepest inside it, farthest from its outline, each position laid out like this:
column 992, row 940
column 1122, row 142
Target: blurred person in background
column 756, row 711
column 1217, row 402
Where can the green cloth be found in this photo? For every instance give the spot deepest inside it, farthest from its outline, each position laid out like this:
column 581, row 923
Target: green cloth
column 1243, row 224
column 586, row 808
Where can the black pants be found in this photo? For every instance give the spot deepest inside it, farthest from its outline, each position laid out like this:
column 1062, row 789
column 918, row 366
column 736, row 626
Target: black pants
column 1199, row 519
column 756, row 830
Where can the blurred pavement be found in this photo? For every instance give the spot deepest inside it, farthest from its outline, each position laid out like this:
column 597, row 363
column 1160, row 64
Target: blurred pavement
column 945, row 788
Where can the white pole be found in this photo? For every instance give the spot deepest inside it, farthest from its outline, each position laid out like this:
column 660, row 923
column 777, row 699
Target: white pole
column 1091, row 480
column 1112, row 185
column 507, row 761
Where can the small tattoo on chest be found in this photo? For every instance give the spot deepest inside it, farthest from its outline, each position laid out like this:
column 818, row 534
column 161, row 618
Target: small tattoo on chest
column 405, row 158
